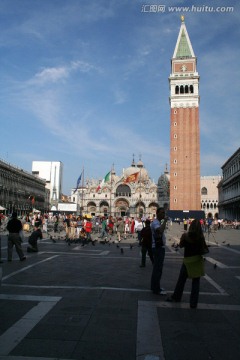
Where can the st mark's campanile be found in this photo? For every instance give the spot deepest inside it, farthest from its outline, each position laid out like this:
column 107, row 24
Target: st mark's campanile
column 184, row 127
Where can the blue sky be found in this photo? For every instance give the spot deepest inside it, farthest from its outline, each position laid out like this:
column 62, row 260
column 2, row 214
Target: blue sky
column 85, row 82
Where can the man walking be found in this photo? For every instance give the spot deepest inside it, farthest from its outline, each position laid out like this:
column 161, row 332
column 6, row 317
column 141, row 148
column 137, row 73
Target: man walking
column 104, row 229
column 158, row 246
column 14, row 227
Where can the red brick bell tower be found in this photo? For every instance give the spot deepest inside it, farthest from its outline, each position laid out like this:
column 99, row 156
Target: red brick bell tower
column 184, row 128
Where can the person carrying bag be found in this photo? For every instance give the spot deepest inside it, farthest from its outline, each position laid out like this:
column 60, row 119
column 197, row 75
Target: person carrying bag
column 195, row 247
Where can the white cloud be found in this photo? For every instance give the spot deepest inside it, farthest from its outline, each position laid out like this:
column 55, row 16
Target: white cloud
column 61, row 73
column 51, row 75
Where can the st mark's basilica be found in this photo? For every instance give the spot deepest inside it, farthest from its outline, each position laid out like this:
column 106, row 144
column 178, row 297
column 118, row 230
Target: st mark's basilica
column 125, row 194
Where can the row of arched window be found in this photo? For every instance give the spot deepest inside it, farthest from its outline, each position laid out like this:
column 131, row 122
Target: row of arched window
column 184, row 89
column 231, row 170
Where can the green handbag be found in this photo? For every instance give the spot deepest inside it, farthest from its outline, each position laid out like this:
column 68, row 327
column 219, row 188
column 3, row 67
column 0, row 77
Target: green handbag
column 195, row 266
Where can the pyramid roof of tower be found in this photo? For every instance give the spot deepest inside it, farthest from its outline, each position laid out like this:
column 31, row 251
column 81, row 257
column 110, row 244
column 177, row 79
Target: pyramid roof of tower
column 183, row 48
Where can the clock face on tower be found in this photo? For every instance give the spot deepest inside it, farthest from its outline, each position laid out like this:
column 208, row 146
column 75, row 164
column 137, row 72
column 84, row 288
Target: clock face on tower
column 184, row 67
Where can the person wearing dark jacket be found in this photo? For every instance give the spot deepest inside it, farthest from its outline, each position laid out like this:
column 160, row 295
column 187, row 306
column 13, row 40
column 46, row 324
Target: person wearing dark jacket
column 33, row 238
column 14, row 227
column 194, row 244
column 146, row 243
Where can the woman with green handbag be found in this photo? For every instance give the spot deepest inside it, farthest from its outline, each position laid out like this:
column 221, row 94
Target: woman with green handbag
column 194, row 246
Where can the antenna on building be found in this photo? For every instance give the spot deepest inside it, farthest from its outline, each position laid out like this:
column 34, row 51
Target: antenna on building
column 54, row 194
column 133, row 161
column 166, row 169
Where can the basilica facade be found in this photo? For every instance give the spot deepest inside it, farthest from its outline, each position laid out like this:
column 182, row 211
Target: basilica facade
column 123, row 195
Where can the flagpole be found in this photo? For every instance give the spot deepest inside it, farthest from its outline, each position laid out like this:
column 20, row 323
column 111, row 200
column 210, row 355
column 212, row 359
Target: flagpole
column 110, row 212
column 81, row 212
column 140, row 191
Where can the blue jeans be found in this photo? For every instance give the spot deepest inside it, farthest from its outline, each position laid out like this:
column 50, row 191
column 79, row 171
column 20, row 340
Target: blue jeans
column 183, row 275
column 158, row 257
column 139, row 237
column 103, row 233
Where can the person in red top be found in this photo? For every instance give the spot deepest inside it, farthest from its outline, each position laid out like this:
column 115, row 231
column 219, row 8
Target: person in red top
column 88, row 229
column 110, row 225
column 132, row 227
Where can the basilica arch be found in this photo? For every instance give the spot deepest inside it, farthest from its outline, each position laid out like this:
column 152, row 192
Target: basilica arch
column 123, row 190
column 91, row 208
column 152, row 208
column 121, row 207
column 104, row 208
column 140, row 209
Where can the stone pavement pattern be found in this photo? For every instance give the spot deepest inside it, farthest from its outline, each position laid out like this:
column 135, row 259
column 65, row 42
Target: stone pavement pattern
column 93, row 302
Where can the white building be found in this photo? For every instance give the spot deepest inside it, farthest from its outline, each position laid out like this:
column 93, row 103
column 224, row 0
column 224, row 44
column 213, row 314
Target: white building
column 52, row 172
column 209, row 194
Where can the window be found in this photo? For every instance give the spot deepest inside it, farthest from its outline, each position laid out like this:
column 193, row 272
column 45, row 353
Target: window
column 175, row 148
column 175, row 136
column 123, row 190
column 204, row 191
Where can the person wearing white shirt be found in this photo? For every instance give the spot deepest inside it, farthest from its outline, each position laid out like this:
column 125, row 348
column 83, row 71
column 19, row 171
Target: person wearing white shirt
column 158, row 247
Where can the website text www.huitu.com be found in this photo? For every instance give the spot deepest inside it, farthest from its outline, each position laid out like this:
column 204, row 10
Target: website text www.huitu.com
column 183, row 9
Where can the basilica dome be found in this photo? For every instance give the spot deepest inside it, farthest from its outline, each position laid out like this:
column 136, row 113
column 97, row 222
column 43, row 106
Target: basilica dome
column 134, row 168
column 164, row 183
column 164, row 179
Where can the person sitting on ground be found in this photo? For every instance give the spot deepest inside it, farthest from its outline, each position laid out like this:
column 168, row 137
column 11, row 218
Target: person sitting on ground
column 33, row 238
